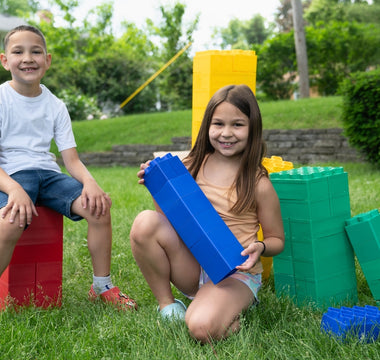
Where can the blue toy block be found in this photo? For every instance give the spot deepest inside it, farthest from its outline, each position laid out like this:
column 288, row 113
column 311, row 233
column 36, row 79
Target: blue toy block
column 361, row 322
column 193, row 217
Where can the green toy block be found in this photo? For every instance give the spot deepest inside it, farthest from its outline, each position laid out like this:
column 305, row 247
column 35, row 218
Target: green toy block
column 310, row 183
column 285, row 285
column 318, row 260
column 299, row 230
column 364, row 233
column 374, row 286
column 334, row 289
column 371, row 269
column 317, row 249
column 283, row 266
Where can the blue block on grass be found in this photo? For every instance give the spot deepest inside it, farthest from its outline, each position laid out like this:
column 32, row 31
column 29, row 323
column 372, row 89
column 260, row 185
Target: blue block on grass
column 193, row 217
column 360, row 322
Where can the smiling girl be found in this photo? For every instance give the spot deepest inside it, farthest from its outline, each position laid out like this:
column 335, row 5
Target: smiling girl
column 226, row 162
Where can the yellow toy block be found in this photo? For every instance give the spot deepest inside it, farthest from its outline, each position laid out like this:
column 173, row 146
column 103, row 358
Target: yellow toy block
column 276, row 164
column 214, row 69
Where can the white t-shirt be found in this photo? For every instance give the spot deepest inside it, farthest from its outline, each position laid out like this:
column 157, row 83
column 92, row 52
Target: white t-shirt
column 27, row 127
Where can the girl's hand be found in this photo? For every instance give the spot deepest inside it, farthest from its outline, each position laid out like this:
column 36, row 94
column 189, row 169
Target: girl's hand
column 141, row 172
column 253, row 251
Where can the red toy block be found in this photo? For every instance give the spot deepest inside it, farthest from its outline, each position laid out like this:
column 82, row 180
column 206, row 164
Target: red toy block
column 34, row 275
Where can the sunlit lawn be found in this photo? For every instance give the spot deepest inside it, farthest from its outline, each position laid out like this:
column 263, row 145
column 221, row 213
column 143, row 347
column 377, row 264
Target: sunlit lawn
column 276, row 329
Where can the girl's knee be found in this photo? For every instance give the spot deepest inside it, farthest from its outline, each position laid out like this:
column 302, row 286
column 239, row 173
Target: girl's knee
column 208, row 326
column 143, row 225
column 202, row 328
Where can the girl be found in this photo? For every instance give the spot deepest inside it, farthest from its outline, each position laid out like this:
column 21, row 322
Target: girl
column 226, row 162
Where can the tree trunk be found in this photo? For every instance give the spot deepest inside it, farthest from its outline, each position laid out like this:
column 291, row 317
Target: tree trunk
column 301, row 52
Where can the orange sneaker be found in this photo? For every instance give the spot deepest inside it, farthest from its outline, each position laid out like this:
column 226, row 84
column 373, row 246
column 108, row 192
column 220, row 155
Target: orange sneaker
column 115, row 297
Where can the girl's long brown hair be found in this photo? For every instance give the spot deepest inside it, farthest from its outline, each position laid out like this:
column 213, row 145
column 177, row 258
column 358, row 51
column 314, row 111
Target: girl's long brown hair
column 251, row 168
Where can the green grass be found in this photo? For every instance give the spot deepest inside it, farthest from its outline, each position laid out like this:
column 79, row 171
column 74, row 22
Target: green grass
column 276, row 329
column 159, row 128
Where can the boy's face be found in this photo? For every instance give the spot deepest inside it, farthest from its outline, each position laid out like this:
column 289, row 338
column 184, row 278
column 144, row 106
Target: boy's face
column 27, row 60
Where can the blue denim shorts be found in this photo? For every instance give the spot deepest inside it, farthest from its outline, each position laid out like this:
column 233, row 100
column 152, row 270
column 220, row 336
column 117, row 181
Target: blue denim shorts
column 48, row 188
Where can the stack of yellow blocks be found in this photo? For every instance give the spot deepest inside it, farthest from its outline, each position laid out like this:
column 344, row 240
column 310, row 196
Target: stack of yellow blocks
column 214, row 69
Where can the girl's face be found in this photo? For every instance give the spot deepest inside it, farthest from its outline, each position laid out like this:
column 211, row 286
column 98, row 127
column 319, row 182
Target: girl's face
column 27, row 60
column 229, row 128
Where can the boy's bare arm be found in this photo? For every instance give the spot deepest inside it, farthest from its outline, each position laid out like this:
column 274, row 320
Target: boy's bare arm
column 93, row 197
column 18, row 201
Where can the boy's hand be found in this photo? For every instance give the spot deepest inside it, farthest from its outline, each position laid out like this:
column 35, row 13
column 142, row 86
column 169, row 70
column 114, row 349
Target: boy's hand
column 95, row 199
column 20, row 203
column 141, row 172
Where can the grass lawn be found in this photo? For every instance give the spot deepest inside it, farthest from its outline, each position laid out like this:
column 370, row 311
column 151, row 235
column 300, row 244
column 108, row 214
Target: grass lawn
column 276, row 329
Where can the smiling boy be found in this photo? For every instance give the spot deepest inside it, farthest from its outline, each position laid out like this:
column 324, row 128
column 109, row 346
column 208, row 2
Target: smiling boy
column 30, row 118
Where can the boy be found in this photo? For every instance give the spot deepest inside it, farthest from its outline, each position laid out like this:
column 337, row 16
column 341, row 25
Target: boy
column 30, row 117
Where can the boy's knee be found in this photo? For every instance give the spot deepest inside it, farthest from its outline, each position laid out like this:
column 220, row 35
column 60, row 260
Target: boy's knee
column 102, row 220
column 10, row 233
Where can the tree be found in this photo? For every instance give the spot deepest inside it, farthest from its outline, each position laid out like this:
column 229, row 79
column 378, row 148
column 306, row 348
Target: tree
column 284, row 15
column 18, row 7
column 301, row 51
column 241, row 34
column 325, row 11
column 175, row 83
column 89, row 61
column 276, row 64
column 337, row 49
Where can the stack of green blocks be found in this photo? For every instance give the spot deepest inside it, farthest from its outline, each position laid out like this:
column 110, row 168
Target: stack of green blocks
column 317, row 266
column 364, row 233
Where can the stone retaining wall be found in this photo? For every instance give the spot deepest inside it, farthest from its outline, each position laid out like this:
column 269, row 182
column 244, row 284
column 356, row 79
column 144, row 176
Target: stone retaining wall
column 297, row 146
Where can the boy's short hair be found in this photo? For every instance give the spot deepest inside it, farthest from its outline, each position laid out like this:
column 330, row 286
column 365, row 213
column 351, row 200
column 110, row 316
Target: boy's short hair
column 24, row 28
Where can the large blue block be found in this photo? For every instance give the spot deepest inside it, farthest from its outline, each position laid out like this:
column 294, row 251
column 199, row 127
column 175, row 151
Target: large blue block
column 361, row 322
column 193, row 217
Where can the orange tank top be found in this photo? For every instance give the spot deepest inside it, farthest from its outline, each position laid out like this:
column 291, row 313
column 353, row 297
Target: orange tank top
column 243, row 226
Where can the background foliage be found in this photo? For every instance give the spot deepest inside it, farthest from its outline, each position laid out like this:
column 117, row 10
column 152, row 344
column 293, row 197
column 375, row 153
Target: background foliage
column 361, row 115
column 89, row 60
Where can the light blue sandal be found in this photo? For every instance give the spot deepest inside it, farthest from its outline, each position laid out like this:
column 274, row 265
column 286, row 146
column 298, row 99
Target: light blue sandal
column 175, row 311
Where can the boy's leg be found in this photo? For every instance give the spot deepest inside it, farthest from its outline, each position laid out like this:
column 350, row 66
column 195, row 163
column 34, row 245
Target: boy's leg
column 163, row 257
column 9, row 235
column 99, row 241
column 62, row 193
column 99, row 238
column 214, row 313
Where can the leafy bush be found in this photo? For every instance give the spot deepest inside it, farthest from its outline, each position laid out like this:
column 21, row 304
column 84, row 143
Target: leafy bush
column 361, row 115
column 80, row 106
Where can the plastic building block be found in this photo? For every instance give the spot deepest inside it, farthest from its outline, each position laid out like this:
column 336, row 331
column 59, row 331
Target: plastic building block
column 317, row 265
column 34, row 275
column 276, row 164
column 345, row 322
column 364, row 234
column 193, row 217
column 214, row 69
column 310, row 183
